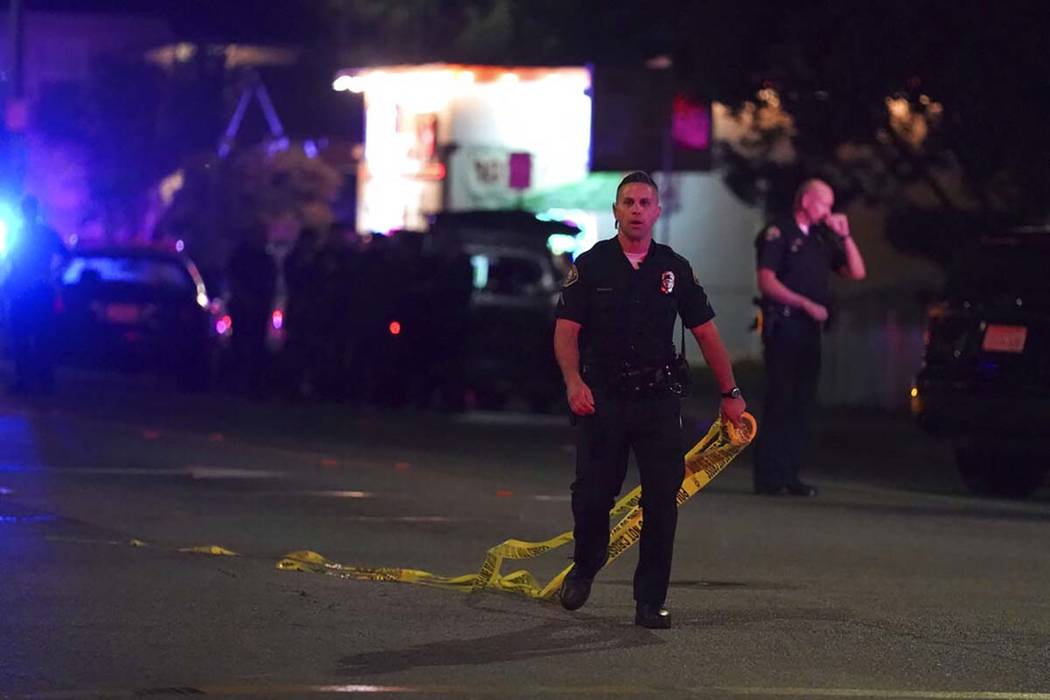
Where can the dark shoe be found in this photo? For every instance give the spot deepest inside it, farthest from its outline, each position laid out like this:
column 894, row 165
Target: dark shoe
column 799, row 489
column 767, row 490
column 655, row 617
column 575, row 590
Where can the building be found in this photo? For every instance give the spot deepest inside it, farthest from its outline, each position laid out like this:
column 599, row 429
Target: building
column 458, row 137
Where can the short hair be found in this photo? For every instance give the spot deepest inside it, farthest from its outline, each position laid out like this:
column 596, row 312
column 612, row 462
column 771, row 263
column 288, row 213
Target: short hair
column 637, row 176
column 812, row 183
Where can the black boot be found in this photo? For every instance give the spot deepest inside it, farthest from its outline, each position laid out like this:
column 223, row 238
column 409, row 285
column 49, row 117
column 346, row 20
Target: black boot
column 655, row 617
column 575, row 590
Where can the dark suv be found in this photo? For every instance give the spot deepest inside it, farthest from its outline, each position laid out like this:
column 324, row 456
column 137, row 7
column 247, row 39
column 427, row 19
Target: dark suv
column 985, row 379
column 510, row 346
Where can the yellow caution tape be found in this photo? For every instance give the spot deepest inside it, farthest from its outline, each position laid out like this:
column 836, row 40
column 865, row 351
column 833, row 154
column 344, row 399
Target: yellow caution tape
column 213, row 549
column 703, row 463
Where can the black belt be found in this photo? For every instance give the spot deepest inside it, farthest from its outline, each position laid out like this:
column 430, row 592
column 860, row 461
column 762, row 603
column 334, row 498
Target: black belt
column 783, row 311
column 640, row 381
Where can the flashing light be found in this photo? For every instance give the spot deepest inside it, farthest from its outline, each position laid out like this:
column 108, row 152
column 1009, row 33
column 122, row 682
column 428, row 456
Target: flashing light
column 277, row 319
column 10, row 222
column 395, row 328
column 224, row 325
column 915, row 392
column 179, row 246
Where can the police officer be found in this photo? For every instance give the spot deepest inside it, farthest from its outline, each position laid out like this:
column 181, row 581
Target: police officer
column 614, row 341
column 252, row 275
column 30, row 291
column 793, row 259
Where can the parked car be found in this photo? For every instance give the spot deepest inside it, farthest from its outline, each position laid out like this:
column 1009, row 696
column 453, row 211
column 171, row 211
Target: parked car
column 985, row 379
column 511, row 343
column 138, row 310
column 510, row 347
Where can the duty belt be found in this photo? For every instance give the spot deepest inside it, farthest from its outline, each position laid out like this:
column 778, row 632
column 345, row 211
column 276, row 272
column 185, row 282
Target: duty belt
column 771, row 309
column 670, row 378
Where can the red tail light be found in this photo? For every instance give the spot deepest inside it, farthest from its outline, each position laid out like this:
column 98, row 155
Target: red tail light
column 395, row 328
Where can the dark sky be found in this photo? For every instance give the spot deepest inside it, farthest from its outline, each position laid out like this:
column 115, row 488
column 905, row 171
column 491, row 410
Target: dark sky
column 229, row 20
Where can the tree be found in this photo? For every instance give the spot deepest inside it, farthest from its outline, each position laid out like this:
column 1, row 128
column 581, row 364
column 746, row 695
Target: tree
column 283, row 189
column 883, row 98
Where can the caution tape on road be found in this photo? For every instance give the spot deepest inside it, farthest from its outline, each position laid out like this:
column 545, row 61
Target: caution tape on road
column 722, row 443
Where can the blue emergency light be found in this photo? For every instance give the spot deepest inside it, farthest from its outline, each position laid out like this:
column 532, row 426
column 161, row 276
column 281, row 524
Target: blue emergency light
column 10, row 223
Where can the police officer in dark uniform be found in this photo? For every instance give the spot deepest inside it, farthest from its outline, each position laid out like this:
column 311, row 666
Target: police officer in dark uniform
column 252, row 275
column 614, row 341
column 794, row 257
column 30, row 290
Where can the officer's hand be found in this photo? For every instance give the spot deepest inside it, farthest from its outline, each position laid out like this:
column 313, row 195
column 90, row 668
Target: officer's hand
column 581, row 400
column 818, row 312
column 838, row 223
column 732, row 410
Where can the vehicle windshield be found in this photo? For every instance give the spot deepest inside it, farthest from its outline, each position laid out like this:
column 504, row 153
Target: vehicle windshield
column 507, row 274
column 140, row 272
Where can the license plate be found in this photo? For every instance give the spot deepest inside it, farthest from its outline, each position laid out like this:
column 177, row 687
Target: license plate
column 123, row 313
column 1004, row 338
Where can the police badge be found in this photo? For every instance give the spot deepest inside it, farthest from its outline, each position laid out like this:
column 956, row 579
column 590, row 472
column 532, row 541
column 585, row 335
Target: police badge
column 667, row 282
column 572, row 277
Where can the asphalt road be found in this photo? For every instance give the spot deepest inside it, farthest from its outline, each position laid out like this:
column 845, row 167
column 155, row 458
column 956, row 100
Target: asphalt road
column 891, row 584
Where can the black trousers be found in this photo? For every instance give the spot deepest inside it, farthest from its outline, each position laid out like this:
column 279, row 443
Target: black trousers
column 32, row 331
column 791, row 348
column 652, row 428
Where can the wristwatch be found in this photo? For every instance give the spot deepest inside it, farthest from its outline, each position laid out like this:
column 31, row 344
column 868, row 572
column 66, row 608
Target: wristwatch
column 733, row 393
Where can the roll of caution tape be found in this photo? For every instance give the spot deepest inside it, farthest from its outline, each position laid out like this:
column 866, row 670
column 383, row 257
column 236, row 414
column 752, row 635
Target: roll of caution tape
column 722, row 443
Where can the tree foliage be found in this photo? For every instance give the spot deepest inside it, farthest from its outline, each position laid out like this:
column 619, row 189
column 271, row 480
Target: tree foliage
column 282, row 189
column 889, row 94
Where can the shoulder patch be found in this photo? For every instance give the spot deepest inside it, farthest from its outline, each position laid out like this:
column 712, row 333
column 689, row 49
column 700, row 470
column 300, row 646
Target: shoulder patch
column 772, row 233
column 572, row 277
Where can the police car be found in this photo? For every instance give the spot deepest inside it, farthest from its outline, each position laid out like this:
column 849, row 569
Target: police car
column 138, row 309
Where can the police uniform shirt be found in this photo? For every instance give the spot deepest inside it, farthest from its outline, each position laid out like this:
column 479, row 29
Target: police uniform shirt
column 32, row 255
column 801, row 262
column 628, row 315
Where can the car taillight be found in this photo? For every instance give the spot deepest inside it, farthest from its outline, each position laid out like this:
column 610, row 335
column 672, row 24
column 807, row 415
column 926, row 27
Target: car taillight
column 277, row 319
column 394, row 328
column 224, row 325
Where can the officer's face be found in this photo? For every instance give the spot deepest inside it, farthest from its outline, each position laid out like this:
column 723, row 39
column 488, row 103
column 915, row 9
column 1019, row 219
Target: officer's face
column 637, row 208
column 817, row 203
